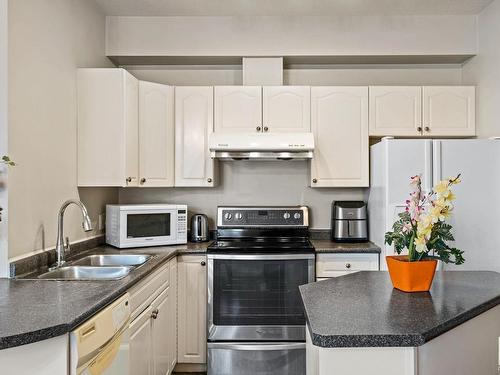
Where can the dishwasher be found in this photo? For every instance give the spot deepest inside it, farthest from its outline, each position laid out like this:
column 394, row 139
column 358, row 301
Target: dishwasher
column 100, row 346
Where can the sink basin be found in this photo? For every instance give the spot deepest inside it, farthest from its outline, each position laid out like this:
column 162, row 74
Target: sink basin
column 87, row 273
column 113, row 260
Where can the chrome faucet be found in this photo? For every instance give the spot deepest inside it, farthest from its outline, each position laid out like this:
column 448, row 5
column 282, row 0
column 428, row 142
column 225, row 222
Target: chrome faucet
column 61, row 246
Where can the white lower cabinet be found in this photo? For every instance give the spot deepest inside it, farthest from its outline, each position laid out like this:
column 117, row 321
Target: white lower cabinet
column 333, row 265
column 192, row 294
column 152, row 331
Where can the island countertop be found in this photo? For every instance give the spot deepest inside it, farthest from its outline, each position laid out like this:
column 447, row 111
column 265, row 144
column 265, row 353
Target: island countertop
column 364, row 310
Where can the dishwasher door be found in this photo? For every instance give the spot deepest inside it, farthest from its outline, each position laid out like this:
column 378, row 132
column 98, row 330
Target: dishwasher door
column 100, row 346
column 262, row 358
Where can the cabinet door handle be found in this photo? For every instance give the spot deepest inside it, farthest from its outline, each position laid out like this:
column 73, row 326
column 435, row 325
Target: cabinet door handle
column 203, row 263
column 129, row 179
column 154, row 314
column 143, row 180
column 348, row 265
column 419, row 128
column 315, row 180
column 258, row 128
column 209, row 180
column 427, row 129
column 266, row 128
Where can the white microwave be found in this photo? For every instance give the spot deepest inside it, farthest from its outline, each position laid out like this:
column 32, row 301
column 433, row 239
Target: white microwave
column 139, row 225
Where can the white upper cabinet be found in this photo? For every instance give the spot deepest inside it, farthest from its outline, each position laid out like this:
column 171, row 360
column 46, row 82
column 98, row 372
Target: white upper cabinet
column 449, row 110
column 193, row 126
column 156, row 134
column 238, row 108
column 395, row 110
column 286, row 109
column 339, row 119
column 108, row 128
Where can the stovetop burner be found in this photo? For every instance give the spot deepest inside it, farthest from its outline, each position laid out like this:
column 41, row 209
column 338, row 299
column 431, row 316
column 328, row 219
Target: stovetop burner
column 262, row 230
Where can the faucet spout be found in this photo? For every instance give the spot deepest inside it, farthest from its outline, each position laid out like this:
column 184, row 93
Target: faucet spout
column 86, row 224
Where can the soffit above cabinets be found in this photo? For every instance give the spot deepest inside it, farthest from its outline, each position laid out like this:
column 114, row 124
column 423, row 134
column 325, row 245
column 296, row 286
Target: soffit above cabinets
column 289, row 8
column 293, row 62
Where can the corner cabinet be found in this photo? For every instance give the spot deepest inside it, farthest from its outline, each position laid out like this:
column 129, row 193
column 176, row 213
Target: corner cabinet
column 153, row 337
column 428, row 111
column 339, row 121
column 108, row 128
column 192, row 305
column 193, row 126
column 156, row 135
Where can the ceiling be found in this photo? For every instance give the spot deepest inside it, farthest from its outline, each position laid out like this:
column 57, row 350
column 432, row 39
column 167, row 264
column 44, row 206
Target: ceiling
column 289, row 7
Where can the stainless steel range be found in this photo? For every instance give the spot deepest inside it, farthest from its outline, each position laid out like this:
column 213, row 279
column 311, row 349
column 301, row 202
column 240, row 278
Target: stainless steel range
column 256, row 323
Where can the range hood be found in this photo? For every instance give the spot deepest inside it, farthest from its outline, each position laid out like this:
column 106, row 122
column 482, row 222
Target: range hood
column 261, row 146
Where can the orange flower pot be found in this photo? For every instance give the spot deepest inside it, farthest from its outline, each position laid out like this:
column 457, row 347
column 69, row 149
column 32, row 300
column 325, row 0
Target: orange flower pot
column 411, row 276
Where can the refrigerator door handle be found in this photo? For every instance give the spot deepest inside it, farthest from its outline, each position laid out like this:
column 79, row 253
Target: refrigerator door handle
column 428, row 168
column 436, row 162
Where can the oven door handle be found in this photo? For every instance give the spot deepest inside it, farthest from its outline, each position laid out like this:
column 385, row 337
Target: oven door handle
column 257, row 346
column 261, row 256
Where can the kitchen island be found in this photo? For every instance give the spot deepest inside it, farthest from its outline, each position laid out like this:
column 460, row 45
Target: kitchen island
column 360, row 324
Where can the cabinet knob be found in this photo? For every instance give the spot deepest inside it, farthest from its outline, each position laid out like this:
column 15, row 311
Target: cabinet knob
column 315, row 180
column 348, row 265
column 266, row 128
column 209, row 180
column 419, row 128
column 129, row 179
column 143, row 180
column 258, row 128
column 427, row 129
column 203, row 263
column 154, row 314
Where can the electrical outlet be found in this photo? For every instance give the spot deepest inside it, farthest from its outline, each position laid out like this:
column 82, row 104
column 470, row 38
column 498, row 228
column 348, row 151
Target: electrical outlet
column 101, row 222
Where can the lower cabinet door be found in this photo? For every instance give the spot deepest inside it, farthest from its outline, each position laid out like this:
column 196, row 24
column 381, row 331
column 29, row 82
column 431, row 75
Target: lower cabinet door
column 160, row 335
column 276, row 358
column 140, row 344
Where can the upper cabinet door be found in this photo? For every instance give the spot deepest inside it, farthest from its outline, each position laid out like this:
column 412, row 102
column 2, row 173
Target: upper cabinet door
column 193, row 126
column 449, row 110
column 286, row 109
column 395, row 110
column 107, row 127
column 156, row 134
column 238, row 108
column 339, row 119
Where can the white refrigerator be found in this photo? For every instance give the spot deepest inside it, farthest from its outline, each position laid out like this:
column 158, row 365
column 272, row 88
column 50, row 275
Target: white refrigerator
column 475, row 219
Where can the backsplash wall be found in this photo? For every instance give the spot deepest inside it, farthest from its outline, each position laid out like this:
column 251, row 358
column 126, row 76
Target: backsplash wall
column 252, row 183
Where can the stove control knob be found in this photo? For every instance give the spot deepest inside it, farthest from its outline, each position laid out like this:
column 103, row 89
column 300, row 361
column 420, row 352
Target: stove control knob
column 228, row 216
column 296, row 216
column 286, row 215
column 238, row 216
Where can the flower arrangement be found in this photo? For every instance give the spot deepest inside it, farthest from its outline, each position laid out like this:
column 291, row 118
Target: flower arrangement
column 422, row 229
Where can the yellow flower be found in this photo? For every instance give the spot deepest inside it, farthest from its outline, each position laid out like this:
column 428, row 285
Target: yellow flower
column 420, row 245
column 441, row 186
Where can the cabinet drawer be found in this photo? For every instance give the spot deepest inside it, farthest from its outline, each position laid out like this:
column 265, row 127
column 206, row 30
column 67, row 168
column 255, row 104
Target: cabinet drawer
column 142, row 294
column 333, row 265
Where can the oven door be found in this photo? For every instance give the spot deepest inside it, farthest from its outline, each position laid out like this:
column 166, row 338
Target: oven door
column 148, row 227
column 255, row 297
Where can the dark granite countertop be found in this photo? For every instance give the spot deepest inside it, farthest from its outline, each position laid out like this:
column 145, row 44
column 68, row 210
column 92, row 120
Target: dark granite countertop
column 35, row 310
column 327, row 246
column 364, row 310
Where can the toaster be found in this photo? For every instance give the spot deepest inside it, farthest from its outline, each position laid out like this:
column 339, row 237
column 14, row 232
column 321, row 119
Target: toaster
column 349, row 221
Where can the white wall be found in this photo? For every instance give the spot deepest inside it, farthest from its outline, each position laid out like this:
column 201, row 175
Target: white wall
column 3, row 137
column 290, row 36
column 48, row 40
column 484, row 71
